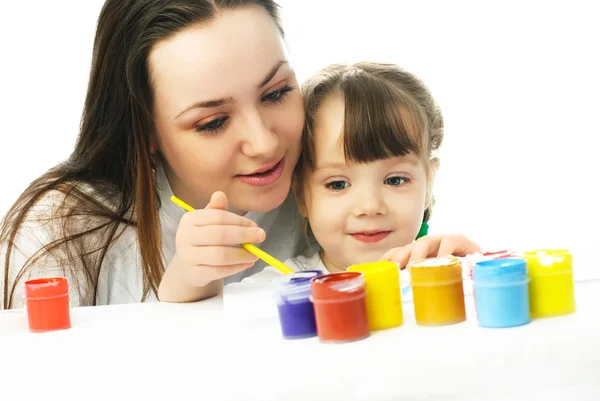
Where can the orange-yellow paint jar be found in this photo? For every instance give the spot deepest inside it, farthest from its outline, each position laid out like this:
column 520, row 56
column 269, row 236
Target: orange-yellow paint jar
column 438, row 292
column 551, row 289
column 384, row 303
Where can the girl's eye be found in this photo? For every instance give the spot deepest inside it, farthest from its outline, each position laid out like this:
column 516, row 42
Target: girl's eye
column 396, row 181
column 213, row 125
column 337, row 185
column 278, row 95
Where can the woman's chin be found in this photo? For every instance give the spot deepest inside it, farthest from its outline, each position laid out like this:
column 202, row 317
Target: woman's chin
column 265, row 201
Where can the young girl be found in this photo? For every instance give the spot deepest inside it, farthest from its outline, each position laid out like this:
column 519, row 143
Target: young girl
column 364, row 181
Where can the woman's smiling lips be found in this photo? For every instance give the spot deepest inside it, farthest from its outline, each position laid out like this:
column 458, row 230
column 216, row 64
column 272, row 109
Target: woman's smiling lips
column 265, row 175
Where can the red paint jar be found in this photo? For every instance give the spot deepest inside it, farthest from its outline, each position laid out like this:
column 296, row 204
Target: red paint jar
column 47, row 304
column 340, row 306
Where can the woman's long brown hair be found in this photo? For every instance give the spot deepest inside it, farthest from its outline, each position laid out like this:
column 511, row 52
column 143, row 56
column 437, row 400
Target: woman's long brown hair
column 107, row 185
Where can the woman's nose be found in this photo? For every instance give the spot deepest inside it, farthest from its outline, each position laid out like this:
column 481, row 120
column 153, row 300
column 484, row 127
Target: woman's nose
column 258, row 139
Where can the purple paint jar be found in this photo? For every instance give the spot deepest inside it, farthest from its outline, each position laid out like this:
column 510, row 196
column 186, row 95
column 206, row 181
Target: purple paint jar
column 296, row 311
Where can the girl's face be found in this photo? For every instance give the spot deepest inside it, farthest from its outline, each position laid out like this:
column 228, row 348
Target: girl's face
column 228, row 111
column 357, row 212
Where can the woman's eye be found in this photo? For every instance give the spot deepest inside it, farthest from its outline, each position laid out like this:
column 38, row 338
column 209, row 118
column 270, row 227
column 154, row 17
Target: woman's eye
column 213, row 125
column 396, row 181
column 337, row 185
column 278, row 95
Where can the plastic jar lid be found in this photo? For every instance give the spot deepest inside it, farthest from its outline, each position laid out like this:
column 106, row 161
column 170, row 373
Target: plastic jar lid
column 435, row 271
column 544, row 262
column 46, row 288
column 500, row 271
column 338, row 287
column 296, row 286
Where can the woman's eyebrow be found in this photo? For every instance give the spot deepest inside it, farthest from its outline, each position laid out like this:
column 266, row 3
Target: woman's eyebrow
column 207, row 104
column 272, row 73
column 220, row 102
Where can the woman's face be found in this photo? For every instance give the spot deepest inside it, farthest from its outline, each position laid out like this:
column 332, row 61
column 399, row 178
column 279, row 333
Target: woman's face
column 228, row 111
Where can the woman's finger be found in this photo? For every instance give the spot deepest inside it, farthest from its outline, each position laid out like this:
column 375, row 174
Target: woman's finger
column 216, row 217
column 224, row 235
column 218, row 256
column 199, row 273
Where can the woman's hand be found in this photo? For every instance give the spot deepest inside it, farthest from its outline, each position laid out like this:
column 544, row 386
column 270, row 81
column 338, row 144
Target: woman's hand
column 432, row 246
column 207, row 250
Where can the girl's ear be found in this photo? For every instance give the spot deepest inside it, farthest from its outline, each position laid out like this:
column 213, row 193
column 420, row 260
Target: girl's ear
column 435, row 166
column 298, row 194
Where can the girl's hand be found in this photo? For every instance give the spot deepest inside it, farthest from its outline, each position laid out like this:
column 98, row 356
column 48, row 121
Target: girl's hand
column 432, row 246
column 208, row 242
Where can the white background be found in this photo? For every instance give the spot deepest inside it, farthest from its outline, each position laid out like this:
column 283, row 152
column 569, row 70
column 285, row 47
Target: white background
column 518, row 83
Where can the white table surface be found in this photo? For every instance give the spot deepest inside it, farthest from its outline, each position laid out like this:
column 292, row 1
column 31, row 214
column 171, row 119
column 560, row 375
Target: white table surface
column 193, row 351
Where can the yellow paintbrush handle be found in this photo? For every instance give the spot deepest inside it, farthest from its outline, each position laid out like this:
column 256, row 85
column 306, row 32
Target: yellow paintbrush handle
column 270, row 260
column 181, row 204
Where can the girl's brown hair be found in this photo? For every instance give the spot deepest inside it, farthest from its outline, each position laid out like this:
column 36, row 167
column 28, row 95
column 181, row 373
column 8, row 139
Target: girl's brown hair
column 388, row 112
column 107, row 185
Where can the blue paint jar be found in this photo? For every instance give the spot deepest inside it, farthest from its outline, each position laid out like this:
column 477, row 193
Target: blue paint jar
column 296, row 311
column 501, row 289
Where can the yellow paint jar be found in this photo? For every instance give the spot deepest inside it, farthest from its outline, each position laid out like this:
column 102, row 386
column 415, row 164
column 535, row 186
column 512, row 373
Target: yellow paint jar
column 384, row 303
column 551, row 289
column 438, row 294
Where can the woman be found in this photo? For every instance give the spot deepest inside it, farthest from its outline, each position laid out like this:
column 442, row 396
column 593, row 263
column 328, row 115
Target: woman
column 188, row 97
column 185, row 97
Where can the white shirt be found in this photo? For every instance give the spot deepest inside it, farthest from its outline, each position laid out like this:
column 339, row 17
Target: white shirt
column 120, row 279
